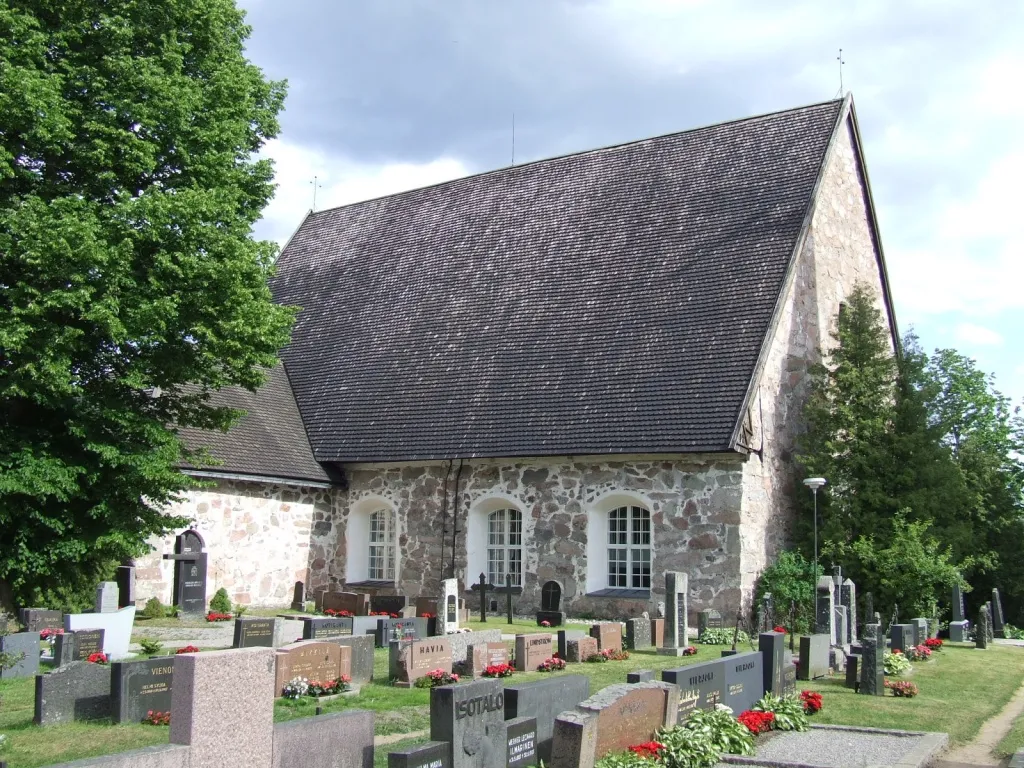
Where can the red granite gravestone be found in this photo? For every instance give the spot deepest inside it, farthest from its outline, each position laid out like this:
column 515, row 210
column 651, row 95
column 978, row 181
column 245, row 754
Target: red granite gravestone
column 311, row 660
column 355, row 603
column 658, row 632
column 532, row 651
column 419, row 657
column 581, row 649
column 608, row 636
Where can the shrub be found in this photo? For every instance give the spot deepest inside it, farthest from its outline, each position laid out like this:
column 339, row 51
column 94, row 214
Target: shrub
column 726, row 733
column 154, row 609
column 722, row 636
column 903, row 689
column 686, row 749
column 789, row 712
column 1012, row 633
column 220, row 603
column 240, row 609
column 811, row 701
column 151, row 647
column 757, row 722
column 896, row 663
column 790, row 578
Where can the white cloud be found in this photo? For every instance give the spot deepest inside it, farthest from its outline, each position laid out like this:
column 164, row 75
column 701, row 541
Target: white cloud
column 340, row 181
column 969, row 333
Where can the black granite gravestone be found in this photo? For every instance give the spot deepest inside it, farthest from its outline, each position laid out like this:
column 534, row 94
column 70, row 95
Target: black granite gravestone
column 388, row 604
column 125, row 586
column 773, row 646
column 38, row 619
column 814, row 657
column 471, row 718
column 189, row 573
column 320, row 629
column 77, row 691
column 872, row 661
column 959, row 614
column 744, row 680
column 433, row 754
column 564, row 636
column 253, row 632
column 550, row 596
column 400, row 629
column 544, row 700
column 701, row 686
column 521, row 746
column 139, row 687
column 77, row 645
column 299, row 597
column 640, row 676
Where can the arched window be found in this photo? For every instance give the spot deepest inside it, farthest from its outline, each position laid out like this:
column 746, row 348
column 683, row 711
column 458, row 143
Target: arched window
column 629, row 548
column 505, row 547
column 382, row 546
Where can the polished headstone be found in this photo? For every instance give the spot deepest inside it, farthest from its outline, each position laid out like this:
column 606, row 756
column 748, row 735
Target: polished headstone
column 825, row 609
column 701, row 686
column 564, row 636
column 998, row 624
column 901, row 637
column 958, row 631
column 872, row 661
column 253, row 632
column 544, row 700
column 640, row 676
column 521, row 747
column 24, row 645
column 106, row 597
column 77, row 691
column 470, row 717
column 959, row 614
column 848, row 598
column 532, row 651
column 324, row 628
column 433, row 754
column 773, row 646
column 608, row 635
column 744, row 680
column 814, row 657
column 125, row 586
column 140, row 687
column 117, row 625
column 400, row 629
column 709, row 618
column 676, row 595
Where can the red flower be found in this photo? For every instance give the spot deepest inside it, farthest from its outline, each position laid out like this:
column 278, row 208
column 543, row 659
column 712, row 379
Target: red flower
column 97, row 658
column 934, row 643
column 649, row 750
column 545, row 623
column 426, row 615
column 811, row 701
column 188, row 649
column 690, row 650
column 214, row 616
column 757, row 722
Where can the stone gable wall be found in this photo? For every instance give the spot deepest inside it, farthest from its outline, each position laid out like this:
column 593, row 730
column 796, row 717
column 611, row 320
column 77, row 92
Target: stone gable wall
column 261, row 539
column 838, row 253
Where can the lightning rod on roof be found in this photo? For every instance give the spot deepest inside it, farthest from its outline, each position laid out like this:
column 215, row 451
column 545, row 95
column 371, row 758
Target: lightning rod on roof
column 839, row 58
column 316, row 186
column 513, row 138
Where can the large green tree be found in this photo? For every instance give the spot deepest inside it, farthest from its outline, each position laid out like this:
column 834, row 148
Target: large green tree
column 130, row 283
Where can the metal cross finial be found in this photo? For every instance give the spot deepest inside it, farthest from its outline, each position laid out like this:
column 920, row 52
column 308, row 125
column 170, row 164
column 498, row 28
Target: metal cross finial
column 839, row 58
column 316, row 186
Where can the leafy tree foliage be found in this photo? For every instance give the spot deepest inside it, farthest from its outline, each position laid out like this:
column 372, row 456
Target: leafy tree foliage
column 790, row 579
column 130, row 285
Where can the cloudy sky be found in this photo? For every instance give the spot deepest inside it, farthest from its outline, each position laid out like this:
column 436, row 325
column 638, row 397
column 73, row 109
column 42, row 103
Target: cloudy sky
column 386, row 95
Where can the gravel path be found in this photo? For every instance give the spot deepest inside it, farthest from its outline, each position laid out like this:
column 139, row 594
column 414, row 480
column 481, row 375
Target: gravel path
column 837, row 749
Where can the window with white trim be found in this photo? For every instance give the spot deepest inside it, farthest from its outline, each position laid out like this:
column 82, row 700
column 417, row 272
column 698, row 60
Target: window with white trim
column 629, row 548
column 382, row 546
column 505, row 547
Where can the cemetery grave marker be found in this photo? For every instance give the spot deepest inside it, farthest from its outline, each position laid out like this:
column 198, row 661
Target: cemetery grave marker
column 814, row 657
column 658, row 632
column 417, row 658
column 958, row 631
column 709, row 618
column 521, row 745
column 959, row 614
column 920, row 627
column 389, row 630
column 872, row 658
column 106, row 597
column 839, row 620
column 77, row 646
column 117, row 626
column 532, row 651
column 391, row 604
column 564, row 636
column 676, row 588
column 334, row 740
column 744, row 680
column 320, row 629
column 125, row 586
column 640, row 676
column 26, row 645
column 701, row 686
column 998, row 624
column 608, row 635
column 362, row 656
column 638, row 634
column 190, row 560
column 138, row 687
column 299, row 597
column 580, row 649
column 543, row 700
column 254, row 632
column 848, row 598
column 448, row 607
column 990, row 623
column 825, row 609
column 470, row 717
column 433, row 754
column 773, row 646
column 901, row 637
column 76, row 691
column 611, row 721
column 356, row 603
column 38, row 619
column 311, row 660
column 550, row 600
column 853, row 671
column 980, row 631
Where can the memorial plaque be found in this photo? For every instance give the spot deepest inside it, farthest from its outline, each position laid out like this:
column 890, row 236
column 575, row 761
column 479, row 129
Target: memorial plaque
column 388, row 604
column 608, row 635
column 521, row 735
column 701, row 686
column 744, row 680
column 311, row 660
column 532, row 651
column 251, row 632
column 400, row 629
column 471, row 718
column 544, row 700
column 433, row 754
column 319, row 629
column 581, row 649
column 138, row 687
column 638, row 634
column 417, row 658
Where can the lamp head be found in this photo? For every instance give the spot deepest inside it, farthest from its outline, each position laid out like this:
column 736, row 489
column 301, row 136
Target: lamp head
column 814, row 483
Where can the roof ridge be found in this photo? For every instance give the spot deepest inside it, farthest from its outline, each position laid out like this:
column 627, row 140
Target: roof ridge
column 311, row 215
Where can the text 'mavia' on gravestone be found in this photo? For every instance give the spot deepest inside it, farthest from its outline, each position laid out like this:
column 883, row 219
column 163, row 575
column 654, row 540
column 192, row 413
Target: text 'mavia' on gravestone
column 139, row 687
column 471, row 718
column 611, row 721
column 417, row 658
column 189, row 573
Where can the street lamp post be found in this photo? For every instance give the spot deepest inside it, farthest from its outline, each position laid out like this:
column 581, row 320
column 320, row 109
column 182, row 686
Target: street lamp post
column 814, row 483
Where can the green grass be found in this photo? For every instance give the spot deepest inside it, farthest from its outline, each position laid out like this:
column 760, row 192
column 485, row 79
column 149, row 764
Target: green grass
column 959, row 690
column 1013, row 741
column 517, row 627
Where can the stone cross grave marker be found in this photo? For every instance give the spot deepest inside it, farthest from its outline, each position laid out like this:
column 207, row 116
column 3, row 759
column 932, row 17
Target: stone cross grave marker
column 998, row 624
column 676, row 589
column 483, row 586
column 611, row 721
column 448, row 607
column 190, row 561
column 106, row 597
column 638, row 634
column 532, row 651
column 825, row 609
column 470, row 717
column 544, row 700
column 701, row 686
column 848, row 598
column 254, row 631
column 608, row 635
column 139, row 687
column 417, row 658
column 872, row 667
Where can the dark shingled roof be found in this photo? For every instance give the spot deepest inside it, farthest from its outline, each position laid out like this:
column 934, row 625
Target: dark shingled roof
column 269, row 441
column 608, row 302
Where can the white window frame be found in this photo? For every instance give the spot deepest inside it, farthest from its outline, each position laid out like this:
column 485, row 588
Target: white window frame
column 381, row 545
column 598, row 535
column 505, row 546
column 629, row 553
column 358, row 539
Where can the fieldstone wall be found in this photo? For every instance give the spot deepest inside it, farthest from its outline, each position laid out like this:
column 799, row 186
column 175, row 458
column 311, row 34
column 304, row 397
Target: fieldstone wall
column 838, row 253
column 261, row 539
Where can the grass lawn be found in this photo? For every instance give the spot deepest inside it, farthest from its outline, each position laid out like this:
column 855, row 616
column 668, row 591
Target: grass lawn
column 960, row 688
column 1013, row 741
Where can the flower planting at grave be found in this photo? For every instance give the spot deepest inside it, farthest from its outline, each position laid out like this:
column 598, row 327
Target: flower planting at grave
column 608, row 654
column 554, row 664
column 780, row 628
column 427, row 615
column 690, row 650
column 337, row 614
column 725, row 732
column 328, row 687
column 896, row 663
column 50, row 634
column 545, row 623
column 919, row 653
column 188, row 649
column 903, row 689
column 788, row 712
column 811, row 701
column 157, row 718
column 498, row 670
column 98, row 658
column 757, row 722
column 295, row 688
column 436, row 678
column 934, row 643
column 386, row 614
column 649, row 750
column 213, row 616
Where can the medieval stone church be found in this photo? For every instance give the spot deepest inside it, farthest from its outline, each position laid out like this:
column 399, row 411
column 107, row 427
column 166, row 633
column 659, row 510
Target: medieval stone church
column 587, row 370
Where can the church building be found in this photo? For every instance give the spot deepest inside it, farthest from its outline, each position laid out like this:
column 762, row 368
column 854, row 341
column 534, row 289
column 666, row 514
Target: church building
column 587, row 370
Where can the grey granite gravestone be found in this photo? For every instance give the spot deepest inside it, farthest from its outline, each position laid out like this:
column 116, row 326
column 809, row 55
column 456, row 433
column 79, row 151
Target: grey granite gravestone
column 901, row 637
column 640, row 676
column 853, row 671
column 990, row 623
column 789, row 674
column 638, row 634
column 744, row 680
column 400, row 629
column 471, row 718
column 323, row 629
column 254, row 631
column 564, row 636
column 25, row 645
column 140, row 687
column 998, row 625
column 38, row 619
column 920, row 626
column 298, row 596
column 848, row 598
column 125, row 586
column 869, row 608
column 958, row 631
column 544, row 700
column 840, row 624
column 701, row 686
column 77, row 645
column 813, row 661
column 825, row 609
column 106, row 597
column 433, row 754
column 772, row 645
column 362, row 656
column 872, row 661
column 521, row 746
column 335, row 740
column 77, row 691
column 709, row 618
column 957, row 604
column 980, row 631
column 676, row 589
